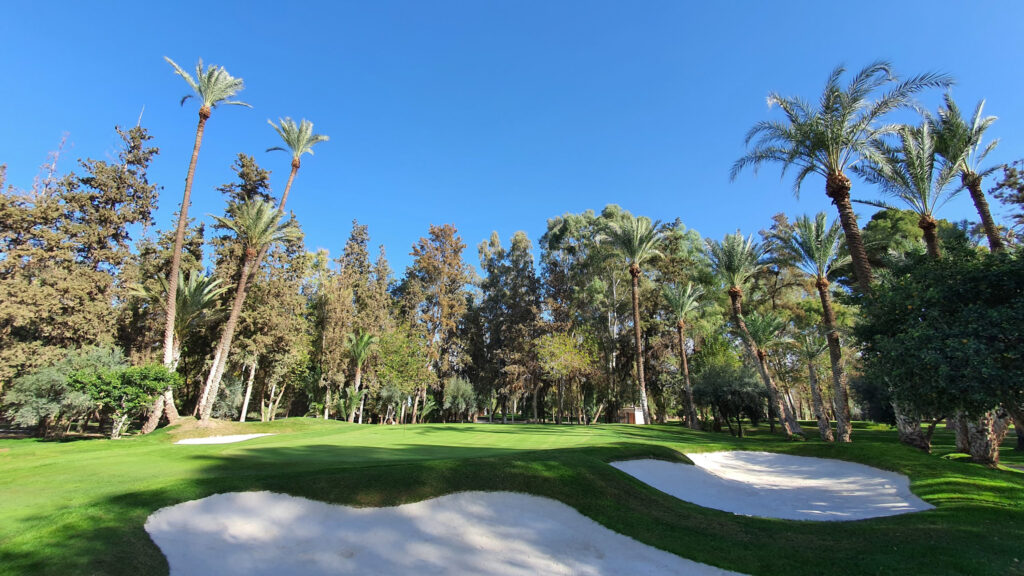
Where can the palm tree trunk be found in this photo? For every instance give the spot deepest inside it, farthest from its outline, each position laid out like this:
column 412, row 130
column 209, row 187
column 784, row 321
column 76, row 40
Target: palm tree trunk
column 634, row 271
column 691, row 409
column 217, row 370
column 789, row 424
column 929, row 226
column 356, row 384
column 248, row 391
column 165, row 404
column 837, row 187
column 824, row 427
column 840, row 392
column 288, row 187
column 973, row 184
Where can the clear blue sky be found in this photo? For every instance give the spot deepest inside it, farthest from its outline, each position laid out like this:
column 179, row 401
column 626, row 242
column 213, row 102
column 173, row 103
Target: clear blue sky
column 489, row 115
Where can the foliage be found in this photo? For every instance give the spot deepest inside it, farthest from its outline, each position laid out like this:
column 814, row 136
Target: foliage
column 732, row 389
column 299, row 138
column 123, row 393
column 459, row 396
column 1010, row 191
column 736, row 259
column 213, row 85
column 944, row 334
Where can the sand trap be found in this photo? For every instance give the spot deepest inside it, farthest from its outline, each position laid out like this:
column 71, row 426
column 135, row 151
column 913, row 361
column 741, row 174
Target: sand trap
column 251, row 533
column 780, row 485
column 221, row 439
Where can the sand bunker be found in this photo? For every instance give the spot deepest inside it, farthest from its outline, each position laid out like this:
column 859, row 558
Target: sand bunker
column 780, row 485
column 250, row 533
column 221, row 439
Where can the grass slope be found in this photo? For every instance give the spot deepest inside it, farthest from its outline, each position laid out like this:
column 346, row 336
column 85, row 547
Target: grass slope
column 79, row 507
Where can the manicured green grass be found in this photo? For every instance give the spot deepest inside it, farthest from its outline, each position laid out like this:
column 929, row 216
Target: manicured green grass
column 79, row 507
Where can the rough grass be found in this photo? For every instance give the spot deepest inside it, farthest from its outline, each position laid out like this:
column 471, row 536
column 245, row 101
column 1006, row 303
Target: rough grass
column 79, row 507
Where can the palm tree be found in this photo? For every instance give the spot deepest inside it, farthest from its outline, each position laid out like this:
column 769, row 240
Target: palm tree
column 768, row 332
column 359, row 346
column 684, row 302
column 959, row 142
column 915, row 174
column 832, row 135
column 214, row 86
column 635, row 240
column 257, row 225
column 196, row 297
column 735, row 260
column 817, row 245
column 810, row 346
column 300, row 140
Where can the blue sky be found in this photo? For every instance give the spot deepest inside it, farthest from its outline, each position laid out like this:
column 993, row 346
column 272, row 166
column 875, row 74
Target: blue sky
column 489, row 115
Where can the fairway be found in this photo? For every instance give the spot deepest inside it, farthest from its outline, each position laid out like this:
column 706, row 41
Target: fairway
column 79, row 507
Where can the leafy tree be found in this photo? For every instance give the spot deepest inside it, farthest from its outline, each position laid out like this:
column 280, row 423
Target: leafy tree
column 123, row 393
column 300, row 139
column 684, row 302
column 735, row 260
column 635, row 241
column 833, row 134
column 459, row 396
column 565, row 359
column 915, row 174
column 1010, row 191
column 960, row 144
column 213, row 86
column 732, row 390
column 403, row 363
column 257, row 225
column 943, row 335
column 817, row 245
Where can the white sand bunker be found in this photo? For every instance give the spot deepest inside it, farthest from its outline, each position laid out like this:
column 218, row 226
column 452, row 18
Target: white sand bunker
column 780, row 485
column 221, row 439
column 250, row 533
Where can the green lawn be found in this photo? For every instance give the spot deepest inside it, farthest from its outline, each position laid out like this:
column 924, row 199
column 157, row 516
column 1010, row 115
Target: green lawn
column 79, row 507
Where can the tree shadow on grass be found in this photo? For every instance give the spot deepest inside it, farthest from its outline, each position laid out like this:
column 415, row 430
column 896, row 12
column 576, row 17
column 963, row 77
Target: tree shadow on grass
column 108, row 537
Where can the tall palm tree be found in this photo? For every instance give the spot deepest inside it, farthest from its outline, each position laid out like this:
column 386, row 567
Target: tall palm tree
column 635, row 240
column 257, row 225
column 915, row 174
column 810, row 346
column 735, row 260
column 960, row 142
column 359, row 347
column 214, row 86
column 684, row 302
column 300, row 140
column 817, row 245
column 830, row 136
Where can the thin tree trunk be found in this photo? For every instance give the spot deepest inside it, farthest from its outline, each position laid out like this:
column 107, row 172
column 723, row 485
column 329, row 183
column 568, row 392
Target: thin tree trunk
column 634, row 271
column 824, row 427
column 789, row 424
column 840, row 391
column 691, row 409
column 837, row 187
column 248, row 391
column 206, row 386
column 558, row 418
column 973, row 184
column 1017, row 415
column 217, row 371
column 273, row 409
column 356, row 384
column 415, row 405
column 288, row 187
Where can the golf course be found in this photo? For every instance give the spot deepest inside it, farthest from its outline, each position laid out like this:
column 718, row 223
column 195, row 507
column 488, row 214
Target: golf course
column 80, row 507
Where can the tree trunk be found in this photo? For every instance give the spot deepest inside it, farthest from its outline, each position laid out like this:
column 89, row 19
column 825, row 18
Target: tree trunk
column 118, row 426
column 288, row 187
column 789, row 424
column 362, row 405
column 327, row 401
column 1017, row 415
column 415, row 405
column 273, row 409
column 824, row 427
column 248, row 391
column 973, row 184
column 840, row 391
column 355, row 391
column 217, row 370
column 928, row 225
column 206, row 387
column 983, row 439
column 961, row 433
column 558, row 417
column 908, row 426
column 634, row 271
column 837, row 187
column 691, row 409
